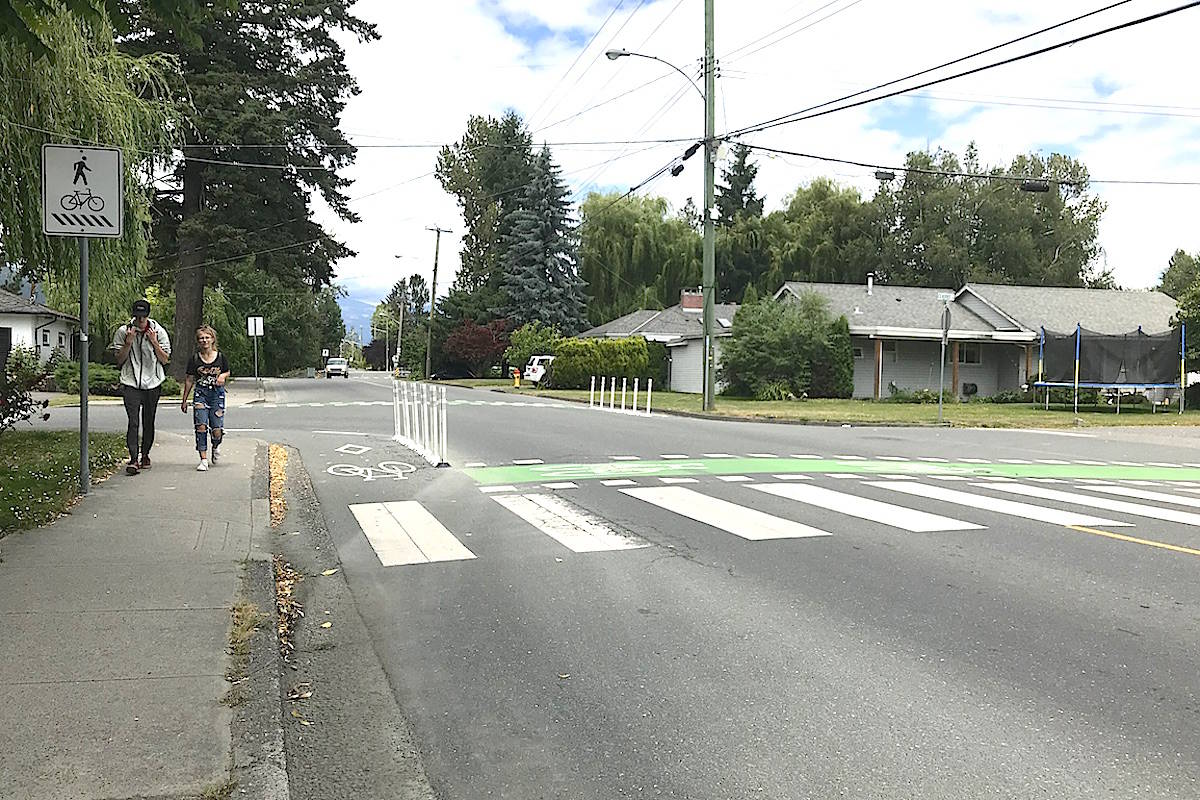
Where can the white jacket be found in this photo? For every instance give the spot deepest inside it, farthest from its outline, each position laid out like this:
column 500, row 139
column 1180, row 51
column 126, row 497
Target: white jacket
column 142, row 369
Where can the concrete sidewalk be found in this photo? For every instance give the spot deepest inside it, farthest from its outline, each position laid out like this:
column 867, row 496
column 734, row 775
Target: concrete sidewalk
column 114, row 631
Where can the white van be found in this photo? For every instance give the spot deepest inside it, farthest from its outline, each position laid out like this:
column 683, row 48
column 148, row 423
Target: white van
column 535, row 371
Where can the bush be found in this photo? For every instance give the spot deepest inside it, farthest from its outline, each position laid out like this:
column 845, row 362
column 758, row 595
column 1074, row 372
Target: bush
column 1010, row 396
column 531, row 339
column 578, row 360
column 921, row 396
column 781, row 343
column 103, row 379
column 22, row 373
column 779, row 390
column 833, row 363
column 657, row 363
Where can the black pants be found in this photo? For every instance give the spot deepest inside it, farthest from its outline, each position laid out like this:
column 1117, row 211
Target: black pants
column 143, row 402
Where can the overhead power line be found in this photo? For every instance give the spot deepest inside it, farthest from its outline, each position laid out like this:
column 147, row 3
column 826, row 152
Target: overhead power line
column 833, row 13
column 796, row 116
column 960, row 174
column 578, row 56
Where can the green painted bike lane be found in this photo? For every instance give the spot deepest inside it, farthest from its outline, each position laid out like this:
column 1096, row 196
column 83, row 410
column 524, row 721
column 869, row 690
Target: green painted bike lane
column 534, row 473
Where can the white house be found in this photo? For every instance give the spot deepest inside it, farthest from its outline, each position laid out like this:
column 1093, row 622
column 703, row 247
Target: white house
column 26, row 323
column 681, row 329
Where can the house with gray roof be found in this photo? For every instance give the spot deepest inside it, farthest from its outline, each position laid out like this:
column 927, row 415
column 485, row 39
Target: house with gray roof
column 993, row 336
column 681, row 329
column 26, row 323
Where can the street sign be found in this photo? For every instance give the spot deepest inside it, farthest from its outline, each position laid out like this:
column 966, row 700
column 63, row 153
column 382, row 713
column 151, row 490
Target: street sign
column 324, row 352
column 945, row 325
column 945, row 297
column 82, row 191
column 254, row 326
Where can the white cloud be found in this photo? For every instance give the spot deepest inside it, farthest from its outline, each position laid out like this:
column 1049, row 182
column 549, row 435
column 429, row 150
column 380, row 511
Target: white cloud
column 439, row 63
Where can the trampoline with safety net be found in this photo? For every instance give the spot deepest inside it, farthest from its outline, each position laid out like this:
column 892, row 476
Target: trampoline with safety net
column 1124, row 362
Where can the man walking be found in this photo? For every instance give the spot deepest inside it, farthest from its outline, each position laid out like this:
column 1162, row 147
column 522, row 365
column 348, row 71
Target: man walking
column 142, row 347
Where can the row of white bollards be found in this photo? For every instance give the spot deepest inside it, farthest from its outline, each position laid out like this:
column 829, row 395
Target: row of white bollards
column 611, row 385
column 419, row 415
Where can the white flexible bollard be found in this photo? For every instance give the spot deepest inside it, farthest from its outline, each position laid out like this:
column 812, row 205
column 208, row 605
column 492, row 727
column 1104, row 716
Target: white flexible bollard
column 602, row 379
column 635, row 393
column 649, row 392
column 592, row 393
column 612, row 393
column 444, row 455
column 623, row 384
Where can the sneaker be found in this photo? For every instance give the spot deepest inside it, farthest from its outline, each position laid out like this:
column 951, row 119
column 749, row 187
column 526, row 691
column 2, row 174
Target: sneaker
column 212, row 455
column 145, row 462
column 133, row 467
column 202, row 466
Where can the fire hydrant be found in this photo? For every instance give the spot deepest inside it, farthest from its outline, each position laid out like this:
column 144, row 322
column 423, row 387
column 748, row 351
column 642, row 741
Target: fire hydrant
column 516, row 378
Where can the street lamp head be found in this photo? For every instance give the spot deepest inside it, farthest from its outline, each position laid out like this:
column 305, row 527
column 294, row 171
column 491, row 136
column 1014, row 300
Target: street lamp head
column 613, row 55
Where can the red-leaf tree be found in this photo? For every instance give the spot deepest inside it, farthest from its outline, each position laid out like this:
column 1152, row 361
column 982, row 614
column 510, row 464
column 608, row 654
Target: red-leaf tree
column 477, row 346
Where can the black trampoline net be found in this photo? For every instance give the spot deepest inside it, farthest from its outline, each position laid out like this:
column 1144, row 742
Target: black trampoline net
column 1133, row 358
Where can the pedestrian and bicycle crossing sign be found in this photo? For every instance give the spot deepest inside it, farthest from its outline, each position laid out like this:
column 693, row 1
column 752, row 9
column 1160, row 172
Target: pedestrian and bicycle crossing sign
column 82, row 191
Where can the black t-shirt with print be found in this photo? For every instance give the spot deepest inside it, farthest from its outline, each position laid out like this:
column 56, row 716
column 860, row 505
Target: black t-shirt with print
column 204, row 372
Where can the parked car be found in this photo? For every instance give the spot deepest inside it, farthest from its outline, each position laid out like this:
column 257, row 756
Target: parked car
column 537, row 369
column 337, row 366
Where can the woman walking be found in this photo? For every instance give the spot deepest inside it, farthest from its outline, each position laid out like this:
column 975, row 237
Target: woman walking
column 207, row 371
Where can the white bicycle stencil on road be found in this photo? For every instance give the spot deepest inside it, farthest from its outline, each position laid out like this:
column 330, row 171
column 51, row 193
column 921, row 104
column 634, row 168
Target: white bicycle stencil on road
column 384, row 470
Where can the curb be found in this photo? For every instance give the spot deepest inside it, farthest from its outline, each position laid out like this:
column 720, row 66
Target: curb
column 771, row 420
column 259, row 757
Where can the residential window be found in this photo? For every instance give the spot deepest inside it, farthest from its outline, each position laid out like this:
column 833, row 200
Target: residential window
column 889, row 350
column 45, row 337
column 970, row 353
column 62, row 339
column 858, row 352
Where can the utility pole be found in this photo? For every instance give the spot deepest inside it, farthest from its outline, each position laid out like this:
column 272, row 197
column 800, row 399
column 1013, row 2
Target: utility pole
column 709, row 275
column 437, row 244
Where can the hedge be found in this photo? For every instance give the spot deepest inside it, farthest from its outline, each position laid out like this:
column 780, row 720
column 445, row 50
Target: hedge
column 578, row 360
column 103, row 379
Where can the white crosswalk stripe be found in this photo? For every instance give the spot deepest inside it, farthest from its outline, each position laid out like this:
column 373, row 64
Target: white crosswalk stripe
column 1147, row 494
column 573, row 528
column 994, row 504
column 1120, row 506
column 729, row 517
column 404, row 532
column 866, row 508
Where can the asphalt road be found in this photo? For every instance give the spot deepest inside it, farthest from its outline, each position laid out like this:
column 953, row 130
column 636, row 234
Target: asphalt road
column 920, row 647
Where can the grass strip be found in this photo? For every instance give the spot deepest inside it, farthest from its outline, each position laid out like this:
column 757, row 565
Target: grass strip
column 39, row 473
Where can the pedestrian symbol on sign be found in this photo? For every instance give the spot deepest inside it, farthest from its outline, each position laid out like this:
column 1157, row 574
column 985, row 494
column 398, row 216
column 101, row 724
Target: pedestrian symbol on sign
column 80, row 168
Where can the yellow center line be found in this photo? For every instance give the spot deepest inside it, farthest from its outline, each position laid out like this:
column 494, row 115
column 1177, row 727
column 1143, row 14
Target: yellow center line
column 1135, row 540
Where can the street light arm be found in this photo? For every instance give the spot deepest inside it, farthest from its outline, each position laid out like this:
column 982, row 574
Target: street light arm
column 613, row 55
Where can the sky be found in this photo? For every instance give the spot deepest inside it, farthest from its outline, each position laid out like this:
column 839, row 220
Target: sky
column 1126, row 104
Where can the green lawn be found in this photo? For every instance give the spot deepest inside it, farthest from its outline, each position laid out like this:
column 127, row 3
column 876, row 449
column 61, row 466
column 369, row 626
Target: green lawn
column 866, row 412
column 478, row 383
column 39, row 472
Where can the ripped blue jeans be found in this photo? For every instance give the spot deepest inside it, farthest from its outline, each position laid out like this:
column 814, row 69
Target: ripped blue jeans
column 208, row 412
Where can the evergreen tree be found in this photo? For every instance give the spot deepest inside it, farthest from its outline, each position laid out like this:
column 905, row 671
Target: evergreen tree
column 540, row 278
column 267, row 87
column 735, row 194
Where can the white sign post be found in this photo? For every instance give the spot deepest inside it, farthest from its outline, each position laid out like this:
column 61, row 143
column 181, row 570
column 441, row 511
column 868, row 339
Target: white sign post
column 254, row 329
column 82, row 196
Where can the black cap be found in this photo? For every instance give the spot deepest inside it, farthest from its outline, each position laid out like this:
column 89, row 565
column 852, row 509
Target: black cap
column 141, row 308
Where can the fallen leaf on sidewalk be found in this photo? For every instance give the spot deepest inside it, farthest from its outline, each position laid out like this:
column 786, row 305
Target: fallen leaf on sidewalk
column 326, row 624
column 297, row 714
column 305, row 722
column 564, row 675
column 329, row 572
column 301, row 691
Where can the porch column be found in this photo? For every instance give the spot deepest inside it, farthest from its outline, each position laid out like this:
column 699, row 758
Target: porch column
column 878, row 367
column 954, row 368
column 1029, row 363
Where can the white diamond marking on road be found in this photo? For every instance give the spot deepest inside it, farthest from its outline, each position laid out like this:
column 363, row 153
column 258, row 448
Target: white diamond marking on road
column 351, row 449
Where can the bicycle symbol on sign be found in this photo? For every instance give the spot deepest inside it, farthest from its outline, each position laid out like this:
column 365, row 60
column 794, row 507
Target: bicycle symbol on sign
column 395, row 470
column 80, row 198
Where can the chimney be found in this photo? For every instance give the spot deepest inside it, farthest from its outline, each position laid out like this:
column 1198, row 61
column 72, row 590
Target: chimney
column 691, row 300
column 870, row 283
